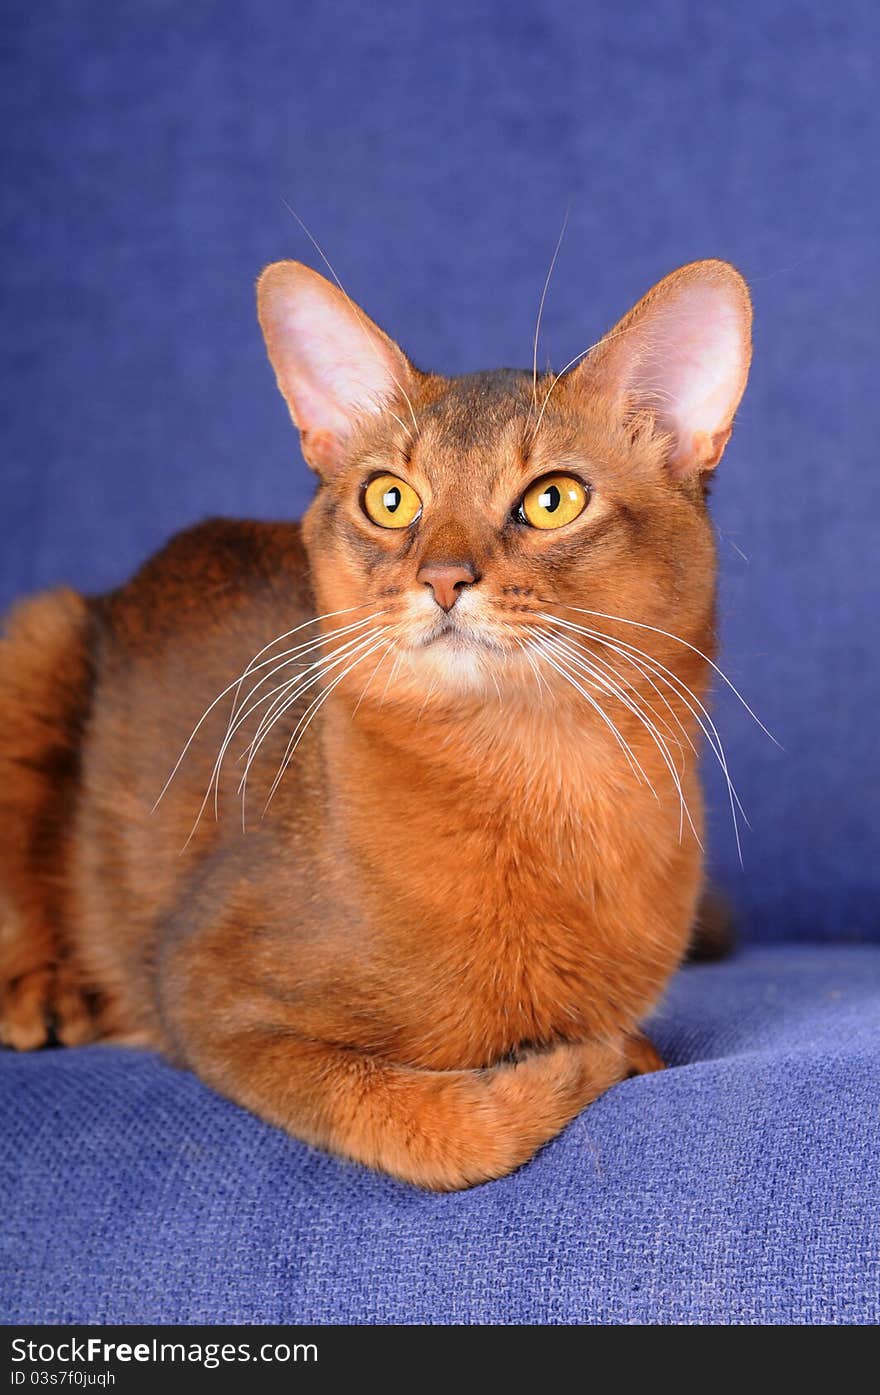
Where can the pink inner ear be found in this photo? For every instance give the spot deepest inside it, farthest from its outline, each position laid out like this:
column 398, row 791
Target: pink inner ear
column 687, row 363
column 331, row 364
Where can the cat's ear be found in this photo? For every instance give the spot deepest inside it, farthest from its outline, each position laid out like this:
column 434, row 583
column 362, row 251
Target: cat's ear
column 333, row 365
column 680, row 360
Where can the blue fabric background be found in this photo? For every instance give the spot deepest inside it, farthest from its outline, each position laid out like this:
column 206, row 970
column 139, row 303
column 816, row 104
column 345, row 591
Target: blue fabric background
column 741, row 1186
column 433, row 148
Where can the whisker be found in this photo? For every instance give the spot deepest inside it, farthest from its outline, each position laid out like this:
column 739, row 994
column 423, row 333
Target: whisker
column 289, row 657
column 425, row 700
column 676, row 685
column 300, row 684
column 613, row 334
column 317, row 644
column 392, row 672
column 628, row 687
column 676, row 719
column 540, row 679
column 731, row 543
column 636, row 767
column 364, row 690
column 366, row 645
column 680, row 690
column 601, row 615
column 357, row 313
column 307, row 718
column 578, row 661
column 236, row 682
column 585, row 666
column 215, row 774
column 595, row 658
column 541, row 310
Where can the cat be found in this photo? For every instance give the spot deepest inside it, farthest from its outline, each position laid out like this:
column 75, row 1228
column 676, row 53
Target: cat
column 428, row 861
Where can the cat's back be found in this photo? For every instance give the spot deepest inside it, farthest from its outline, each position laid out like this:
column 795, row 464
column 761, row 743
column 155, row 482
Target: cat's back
column 203, row 579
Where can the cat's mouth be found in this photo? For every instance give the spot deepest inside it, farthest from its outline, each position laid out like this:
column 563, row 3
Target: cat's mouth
column 451, row 633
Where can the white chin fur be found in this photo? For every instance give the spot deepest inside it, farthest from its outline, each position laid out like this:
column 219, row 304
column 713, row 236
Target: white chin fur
column 467, row 667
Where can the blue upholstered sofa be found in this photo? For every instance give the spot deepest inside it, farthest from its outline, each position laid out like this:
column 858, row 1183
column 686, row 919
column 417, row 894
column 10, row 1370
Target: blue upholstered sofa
column 434, row 149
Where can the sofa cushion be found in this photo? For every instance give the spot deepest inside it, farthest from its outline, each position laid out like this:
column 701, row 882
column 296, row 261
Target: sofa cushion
column 741, row 1185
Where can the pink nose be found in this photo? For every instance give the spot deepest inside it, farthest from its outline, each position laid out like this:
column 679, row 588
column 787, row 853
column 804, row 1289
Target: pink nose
column 446, row 580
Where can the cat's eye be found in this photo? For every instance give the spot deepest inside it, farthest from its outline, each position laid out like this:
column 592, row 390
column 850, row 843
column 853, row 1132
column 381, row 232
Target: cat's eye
column 553, row 501
column 391, row 502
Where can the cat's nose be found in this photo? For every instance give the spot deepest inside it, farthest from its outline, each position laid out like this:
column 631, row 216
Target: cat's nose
column 447, row 580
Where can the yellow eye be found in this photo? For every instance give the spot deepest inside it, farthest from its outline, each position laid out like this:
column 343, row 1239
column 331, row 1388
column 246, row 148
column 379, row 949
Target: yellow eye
column 553, row 501
column 390, row 502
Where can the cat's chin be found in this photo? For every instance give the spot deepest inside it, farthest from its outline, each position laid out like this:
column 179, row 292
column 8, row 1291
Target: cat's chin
column 458, row 659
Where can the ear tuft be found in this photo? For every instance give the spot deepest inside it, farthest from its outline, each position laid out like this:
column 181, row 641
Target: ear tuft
column 333, row 365
column 682, row 355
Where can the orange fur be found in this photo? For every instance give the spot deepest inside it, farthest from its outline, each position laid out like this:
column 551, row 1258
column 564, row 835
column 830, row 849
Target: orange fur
column 439, row 943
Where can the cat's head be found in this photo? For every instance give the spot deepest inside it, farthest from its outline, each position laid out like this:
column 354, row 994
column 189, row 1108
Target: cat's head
column 471, row 515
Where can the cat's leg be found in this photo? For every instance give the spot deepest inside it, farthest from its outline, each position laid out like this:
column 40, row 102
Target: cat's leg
column 44, row 693
column 443, row 1130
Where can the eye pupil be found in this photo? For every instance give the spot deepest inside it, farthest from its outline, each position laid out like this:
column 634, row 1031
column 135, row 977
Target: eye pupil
column 553, row 501
column 390, row 502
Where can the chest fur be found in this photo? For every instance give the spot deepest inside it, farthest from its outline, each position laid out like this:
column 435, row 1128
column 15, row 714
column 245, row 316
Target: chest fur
column 505, row 914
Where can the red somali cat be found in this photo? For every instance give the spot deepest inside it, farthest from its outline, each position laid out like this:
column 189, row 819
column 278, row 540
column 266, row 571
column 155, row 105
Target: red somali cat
column 438, row 799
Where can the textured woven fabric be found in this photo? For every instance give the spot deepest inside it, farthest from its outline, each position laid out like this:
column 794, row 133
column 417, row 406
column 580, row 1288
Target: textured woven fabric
column 433, row 148
column 742, row 1185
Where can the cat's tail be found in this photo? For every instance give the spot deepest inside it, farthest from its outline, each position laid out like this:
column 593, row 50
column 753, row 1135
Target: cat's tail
column 45, row 696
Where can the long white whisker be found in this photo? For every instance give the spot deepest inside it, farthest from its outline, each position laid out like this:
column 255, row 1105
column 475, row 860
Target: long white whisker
column 288, row 658
column 365, row 689
column 707, row 726
column 543, row 653
column 595, row 658
column 254, row 667
column 301, row 653
column 580, row 661
column 309, row 715
column 678, row 687
column 541, row 310
column 629, row 688
column 215, row 774
column 300, row 684
column 613, row 334
column 662, row 696
column 365, row 646
column 539, row 677
column 392, row 673
column 356, row 312
column 680, row 690
column 619, row 619
column 235, row 683
column 426, row 699
column 630, row 701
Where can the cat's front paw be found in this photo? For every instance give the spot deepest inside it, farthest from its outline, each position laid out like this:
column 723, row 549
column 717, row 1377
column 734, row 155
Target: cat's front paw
column 43, row 1005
